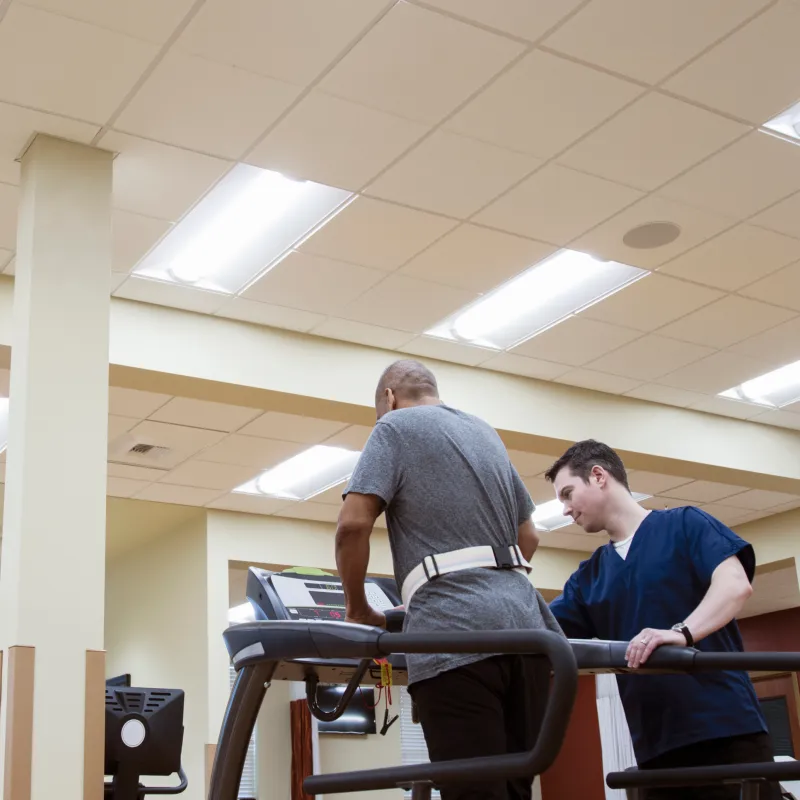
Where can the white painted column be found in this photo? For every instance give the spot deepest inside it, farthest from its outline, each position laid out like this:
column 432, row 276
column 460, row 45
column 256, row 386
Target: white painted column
column 52, row 578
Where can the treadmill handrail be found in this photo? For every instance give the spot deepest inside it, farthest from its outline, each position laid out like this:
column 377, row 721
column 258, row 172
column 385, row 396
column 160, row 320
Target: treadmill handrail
column 554, row 725
column 312, row 681
column 180, row 787
column 699, row 776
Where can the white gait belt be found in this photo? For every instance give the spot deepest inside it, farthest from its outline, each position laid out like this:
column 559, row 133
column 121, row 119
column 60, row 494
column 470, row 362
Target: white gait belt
column 507, row 557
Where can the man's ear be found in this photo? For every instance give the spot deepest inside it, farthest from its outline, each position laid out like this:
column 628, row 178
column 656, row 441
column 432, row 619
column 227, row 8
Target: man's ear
column 599, row 474
column 391, row 400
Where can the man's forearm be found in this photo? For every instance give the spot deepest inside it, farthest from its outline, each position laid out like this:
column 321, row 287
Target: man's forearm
column 723, row 601
column 352, row 560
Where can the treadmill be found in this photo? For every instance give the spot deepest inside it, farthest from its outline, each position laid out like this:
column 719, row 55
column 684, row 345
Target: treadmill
column 312, row 645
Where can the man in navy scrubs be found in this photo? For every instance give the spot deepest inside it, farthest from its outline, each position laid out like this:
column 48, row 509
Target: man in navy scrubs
column 676, row 577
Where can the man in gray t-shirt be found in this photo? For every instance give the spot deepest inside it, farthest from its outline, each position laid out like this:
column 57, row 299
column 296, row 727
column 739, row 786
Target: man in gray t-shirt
column 446, row 483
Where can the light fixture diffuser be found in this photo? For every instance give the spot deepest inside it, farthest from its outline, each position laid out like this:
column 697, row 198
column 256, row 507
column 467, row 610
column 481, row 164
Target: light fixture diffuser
column 540, row 297
column 787, row 124
column 549, row 516
column 775, row 389
column 241, row 228
column 305, row 475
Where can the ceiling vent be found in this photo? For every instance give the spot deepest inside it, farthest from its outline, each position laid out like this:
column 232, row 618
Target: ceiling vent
column 133, row 450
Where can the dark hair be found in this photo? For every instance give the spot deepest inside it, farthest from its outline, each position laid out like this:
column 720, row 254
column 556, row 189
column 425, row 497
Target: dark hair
column 582, row 456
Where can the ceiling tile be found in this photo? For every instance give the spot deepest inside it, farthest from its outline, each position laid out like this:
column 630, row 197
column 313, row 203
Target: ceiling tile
column 133, row 236
column 407, row 304
column 332, row 496
column 319, row 512
column 292, row 428
column 313, row 283
column 576, row 341
column 713, row 374
column 248, row 504
column 398, row 66
column 292, row 40
column 779, row 418
column 201, row 105
column 726, row 322
column 370, row 335
column 663, row 503
column 57, row 64
column 151, row 20
column 119, row 425
column 773, row 348
column 650, row 357
column 648, row 39
column 251, row 451
column 208, row 475
column 177, row 495
column 377, row 234
column 429, row 347
column 735, row 258
column 783, row 217
column 157, row 180
column 527, row 367
column 9, row 202
column 528, row 19
column 205, row 414
column 572, row 98
column 117, row 279
column 170, row 294
column 353, row 437
column 725, row 407
column 652, row 141
column 539, row 489
column 146, row 474
column 741, row 180
column 598, row 381
column 335, row 142
column 265, row 314
column 530, row 464
column 606, row 241
column 703, row 491
column 751, row 73
column 17, row 125
column 452, row 174
column 182, row 440
column 654, row 483
column 6, row 256
column 133, row 402
column 651, row 302
column 476, row 259
column 725, row 514
column 667, row 395
column 557, row 204
column 124, row 487
column 760, row 500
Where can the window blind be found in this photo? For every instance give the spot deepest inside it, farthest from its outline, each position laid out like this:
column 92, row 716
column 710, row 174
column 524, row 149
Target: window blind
column 247, row 786
column 412, row 741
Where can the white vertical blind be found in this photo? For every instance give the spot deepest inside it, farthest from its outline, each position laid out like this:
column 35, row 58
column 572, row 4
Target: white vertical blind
column 247, row 786
column 615, row 738
column 412, row 741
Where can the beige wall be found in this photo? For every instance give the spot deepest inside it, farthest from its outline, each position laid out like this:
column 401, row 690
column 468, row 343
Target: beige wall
column 773, row 538
column 156, row 629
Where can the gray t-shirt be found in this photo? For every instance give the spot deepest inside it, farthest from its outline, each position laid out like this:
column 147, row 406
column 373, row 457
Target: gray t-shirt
column 448, row 483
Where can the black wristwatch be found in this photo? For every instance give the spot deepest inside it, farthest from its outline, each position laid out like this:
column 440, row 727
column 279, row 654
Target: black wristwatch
column 687, row 634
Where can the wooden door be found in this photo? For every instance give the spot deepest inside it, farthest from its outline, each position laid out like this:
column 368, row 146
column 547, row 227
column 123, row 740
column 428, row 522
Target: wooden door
column 784, row 689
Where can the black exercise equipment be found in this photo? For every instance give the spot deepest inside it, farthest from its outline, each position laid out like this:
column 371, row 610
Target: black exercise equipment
column 143, row 736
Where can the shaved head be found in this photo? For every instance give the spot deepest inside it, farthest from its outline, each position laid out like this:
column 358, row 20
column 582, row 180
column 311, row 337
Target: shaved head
column 405, row 383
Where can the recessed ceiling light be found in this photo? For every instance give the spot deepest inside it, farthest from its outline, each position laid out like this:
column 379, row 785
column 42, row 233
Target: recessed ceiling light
column 241, row 228
column 549, row 516
column 774, row 389
column 540, row 297
column 786, row 124
column 304, row 475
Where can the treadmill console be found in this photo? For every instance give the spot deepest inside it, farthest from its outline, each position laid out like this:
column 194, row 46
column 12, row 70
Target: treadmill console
column 311, row 595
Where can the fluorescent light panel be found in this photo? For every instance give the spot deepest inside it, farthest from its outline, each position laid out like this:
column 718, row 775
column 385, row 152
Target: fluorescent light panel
column 549, row 517
column 786, row 124
column 305, row 475
column 241, row 228
column 775, row 389
column 540, row 297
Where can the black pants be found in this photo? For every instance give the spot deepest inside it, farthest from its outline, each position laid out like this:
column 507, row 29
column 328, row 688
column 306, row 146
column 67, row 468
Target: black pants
column 732, row 750
column 488, row 708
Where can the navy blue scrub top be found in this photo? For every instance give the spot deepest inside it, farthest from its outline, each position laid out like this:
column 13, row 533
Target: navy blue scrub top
column 666, row 574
